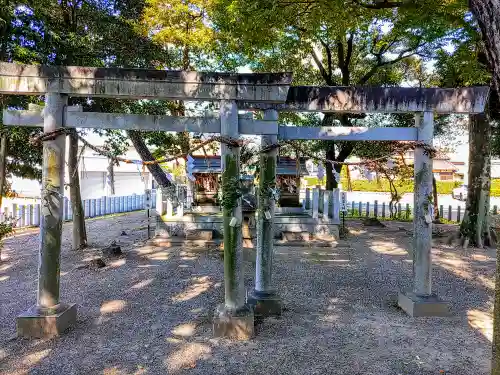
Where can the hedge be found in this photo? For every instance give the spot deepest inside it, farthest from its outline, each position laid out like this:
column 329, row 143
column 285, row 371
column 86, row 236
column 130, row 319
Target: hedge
column 443, row 187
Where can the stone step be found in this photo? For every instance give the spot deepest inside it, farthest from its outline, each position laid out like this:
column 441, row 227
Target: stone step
column 248, row 244
column 197, row 244
column 308, row 243
column 325, row 237
column 199, row 234
column 182, row 242
column 295, row 236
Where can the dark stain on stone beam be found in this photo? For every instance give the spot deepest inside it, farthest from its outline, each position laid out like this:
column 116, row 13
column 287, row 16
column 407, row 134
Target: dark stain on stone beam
column 381, row 99
column 54, row 72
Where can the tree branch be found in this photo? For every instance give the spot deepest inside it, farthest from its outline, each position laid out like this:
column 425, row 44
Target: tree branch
column 381, row 4
column 343, row 63
column 329, row 58
column 349, row 49
column 403, row 55
column 346, row 74
column 321, row 68
column 345, row 151
column 340, row 54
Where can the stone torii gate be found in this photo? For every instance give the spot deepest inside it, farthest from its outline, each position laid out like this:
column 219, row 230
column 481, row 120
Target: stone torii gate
column 268, row 92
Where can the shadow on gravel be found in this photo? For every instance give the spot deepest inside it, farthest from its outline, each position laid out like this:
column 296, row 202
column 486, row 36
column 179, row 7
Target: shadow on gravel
column 149, row 312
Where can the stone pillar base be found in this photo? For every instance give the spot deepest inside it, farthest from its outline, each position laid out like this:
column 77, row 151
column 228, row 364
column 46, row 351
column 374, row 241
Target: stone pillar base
column 416, row 306
column 265, row 303
column 238, row 325
column 38, row 323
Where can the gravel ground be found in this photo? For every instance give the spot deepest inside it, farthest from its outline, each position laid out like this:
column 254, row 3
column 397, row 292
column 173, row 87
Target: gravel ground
column 148, row 312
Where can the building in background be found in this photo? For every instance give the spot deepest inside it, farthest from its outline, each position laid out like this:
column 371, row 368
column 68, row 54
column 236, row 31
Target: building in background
column 495, row 168
column 96, row 182
column 443, row 168
column 129, row 179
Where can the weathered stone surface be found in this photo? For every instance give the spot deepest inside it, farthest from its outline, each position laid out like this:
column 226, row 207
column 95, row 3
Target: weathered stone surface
column 112, row 250
column 347, row 133
column 422, row 215
column 310, row 243
column 325, row 237
column 417, row 306
column 326, row 230
column 296, row 236
column 372, row 222
column 380, row 99
column 237, row 325
column 143, row 83
column 96, row 263
column 37, row 323
column 265, row 303
column 93, row 264
column 199, row 234
column 177, row 228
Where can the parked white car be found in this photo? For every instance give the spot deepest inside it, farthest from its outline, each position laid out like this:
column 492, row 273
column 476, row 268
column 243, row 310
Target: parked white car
column 460, row 193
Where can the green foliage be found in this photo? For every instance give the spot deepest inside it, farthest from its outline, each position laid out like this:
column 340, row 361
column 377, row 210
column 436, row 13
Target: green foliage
column 88, row 33
column 443, row 187
column 332, row 42
column 7, row 228
column 495, row 187
column 182, row 27
column 231, row 190
column 340, row 43
column 403, row 215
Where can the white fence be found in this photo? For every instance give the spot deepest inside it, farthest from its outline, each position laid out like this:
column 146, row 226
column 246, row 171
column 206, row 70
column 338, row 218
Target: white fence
column 318, row 201
column 404, row 211
column 29, row 215
column 324, row 203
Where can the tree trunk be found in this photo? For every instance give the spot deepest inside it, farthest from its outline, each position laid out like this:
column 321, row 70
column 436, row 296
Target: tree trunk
column 297, row 171
column 471, row 228
column 79, row 230
column 344, row 153
column 489, row 237
column 435, row 199
column 331, row 183
column 143, row 151
column 487, row 14
column 345, row 149
column 3, row 161
column 111, row 176
column 495, row 346
column 349, row 182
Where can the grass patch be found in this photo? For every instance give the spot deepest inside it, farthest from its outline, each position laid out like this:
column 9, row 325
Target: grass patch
column 443, row 187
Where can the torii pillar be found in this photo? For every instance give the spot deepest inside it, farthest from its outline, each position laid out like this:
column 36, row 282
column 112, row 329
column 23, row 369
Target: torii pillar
column 233, row 319
column 264, row 298
column 49, row 317
column 420, row 301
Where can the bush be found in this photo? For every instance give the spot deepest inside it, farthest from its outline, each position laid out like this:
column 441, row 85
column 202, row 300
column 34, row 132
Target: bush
column 495, row 187
column 313, row 181
column 6, row 229
column 443, row 187
column 446, row 187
